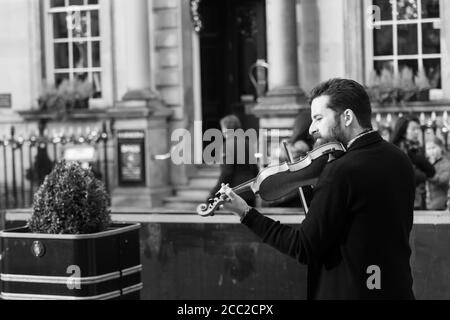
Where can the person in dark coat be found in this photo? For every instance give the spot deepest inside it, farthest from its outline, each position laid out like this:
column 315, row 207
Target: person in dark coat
column 42, row 166
column 355, row 238
column 406, row 137
column 236, row 171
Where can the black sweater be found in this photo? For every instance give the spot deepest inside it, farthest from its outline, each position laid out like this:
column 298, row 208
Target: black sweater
column 360, row 216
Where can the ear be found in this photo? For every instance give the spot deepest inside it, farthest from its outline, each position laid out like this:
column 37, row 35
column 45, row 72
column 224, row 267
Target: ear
column 349, row 117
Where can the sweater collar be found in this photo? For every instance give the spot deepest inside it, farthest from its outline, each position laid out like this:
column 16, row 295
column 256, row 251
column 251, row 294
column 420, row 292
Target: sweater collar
column 364, row 140
column 367, row 131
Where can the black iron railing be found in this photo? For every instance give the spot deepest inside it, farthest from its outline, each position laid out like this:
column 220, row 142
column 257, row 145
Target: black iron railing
column 26, row 160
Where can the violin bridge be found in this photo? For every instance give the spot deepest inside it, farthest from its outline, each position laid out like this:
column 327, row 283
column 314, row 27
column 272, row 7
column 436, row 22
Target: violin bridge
column 331, row 157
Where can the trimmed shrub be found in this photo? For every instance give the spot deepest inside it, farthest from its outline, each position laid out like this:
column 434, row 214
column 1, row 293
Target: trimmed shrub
column 70, row 201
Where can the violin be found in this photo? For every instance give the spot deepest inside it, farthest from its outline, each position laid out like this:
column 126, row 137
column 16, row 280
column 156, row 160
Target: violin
column 276, row 181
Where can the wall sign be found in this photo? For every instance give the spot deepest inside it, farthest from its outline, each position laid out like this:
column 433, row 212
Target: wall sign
column 131, row 148
column 5, row 100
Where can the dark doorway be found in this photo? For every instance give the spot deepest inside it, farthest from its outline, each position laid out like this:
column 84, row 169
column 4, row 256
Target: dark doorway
column 232, row 39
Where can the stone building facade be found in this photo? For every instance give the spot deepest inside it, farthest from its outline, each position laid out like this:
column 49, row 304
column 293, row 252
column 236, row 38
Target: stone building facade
column 161, row 65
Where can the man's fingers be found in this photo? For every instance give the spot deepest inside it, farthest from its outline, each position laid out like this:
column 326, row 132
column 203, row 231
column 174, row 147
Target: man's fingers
column 230, row 194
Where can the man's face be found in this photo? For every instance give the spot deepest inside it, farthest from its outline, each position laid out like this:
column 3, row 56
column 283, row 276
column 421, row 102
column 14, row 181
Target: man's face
column 326, row 124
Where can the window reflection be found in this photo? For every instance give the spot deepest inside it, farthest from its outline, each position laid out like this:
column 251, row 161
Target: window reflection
column 57, row 3
column 82, row 76
column 407, row 39
column 78, row 23
column 96, row 54
column 407, row 9
column 76, row 2
column 379, row 66
column 60, row 77
column 95, row 32
column 60, row 25
column 382, row 41
column 80, row 55
column 61, row 52
column 412, row 64
column 430, row 9
column 432, row 69
column 431, row 38
column 385, row 7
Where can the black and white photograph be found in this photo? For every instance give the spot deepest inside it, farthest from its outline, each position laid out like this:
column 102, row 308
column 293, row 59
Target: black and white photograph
column 225, row 155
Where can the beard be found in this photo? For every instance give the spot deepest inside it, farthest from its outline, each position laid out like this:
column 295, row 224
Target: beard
column 319, row 141
column 336, row 134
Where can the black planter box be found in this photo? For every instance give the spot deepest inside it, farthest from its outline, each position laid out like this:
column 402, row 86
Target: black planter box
column 104, row 265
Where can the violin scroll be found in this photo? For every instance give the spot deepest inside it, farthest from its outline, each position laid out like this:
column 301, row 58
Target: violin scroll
column 208, row 209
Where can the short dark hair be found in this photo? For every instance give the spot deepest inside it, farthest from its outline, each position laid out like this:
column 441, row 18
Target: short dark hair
column 346, row 94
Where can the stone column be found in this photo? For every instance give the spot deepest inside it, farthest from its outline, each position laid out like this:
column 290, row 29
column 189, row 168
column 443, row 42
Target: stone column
column 137, row 51
column 282, row 46
column 284, row 96
column 139, row 110
column 278, row 109
column 353, row 39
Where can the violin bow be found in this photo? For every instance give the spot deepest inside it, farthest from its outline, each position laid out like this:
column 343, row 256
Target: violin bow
column 300, row 189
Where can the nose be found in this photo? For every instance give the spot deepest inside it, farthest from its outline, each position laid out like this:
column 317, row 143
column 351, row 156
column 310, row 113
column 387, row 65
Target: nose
column 312, row 129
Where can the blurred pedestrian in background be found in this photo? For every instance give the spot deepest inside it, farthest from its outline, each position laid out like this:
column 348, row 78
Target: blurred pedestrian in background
column 438, row 186
column 385, row 133
column 299, row 144
column 236, row 173
column 406, row 136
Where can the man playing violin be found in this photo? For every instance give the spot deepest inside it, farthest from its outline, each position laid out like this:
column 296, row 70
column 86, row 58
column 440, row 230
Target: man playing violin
column 355, row 237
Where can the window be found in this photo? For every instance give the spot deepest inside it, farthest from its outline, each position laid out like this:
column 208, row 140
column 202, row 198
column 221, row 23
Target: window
column 407, row 34
column 74, row 42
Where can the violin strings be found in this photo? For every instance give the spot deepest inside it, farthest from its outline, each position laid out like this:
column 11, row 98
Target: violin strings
column 241, row 187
